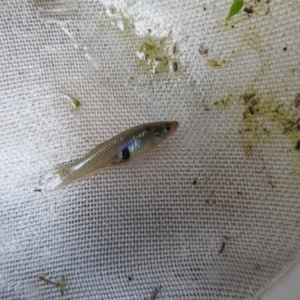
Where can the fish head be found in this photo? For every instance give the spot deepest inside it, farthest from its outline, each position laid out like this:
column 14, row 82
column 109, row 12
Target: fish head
column 161, row 130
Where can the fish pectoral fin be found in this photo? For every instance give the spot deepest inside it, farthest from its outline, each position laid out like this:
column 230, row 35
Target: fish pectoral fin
column 138, row 161
column 115, row 160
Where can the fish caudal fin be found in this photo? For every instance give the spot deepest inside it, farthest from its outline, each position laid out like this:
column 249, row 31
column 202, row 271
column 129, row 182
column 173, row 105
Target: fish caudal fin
column 55, row 178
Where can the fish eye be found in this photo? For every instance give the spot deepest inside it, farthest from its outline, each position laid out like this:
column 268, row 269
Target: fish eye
column 125, row 153
column 167, row 127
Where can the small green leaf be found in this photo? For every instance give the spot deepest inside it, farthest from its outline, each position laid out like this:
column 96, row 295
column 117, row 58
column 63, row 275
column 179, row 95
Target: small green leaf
column 146, row 47
column 75, row 102
column 62, row 285
column 235, row 8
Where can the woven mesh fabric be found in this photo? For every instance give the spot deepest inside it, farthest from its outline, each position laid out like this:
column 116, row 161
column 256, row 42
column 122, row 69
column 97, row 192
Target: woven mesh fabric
column 212, row 213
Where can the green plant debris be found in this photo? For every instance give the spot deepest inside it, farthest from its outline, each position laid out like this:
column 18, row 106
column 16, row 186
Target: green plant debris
column 175, row 49
column 153, row 55
column 112, row 9
column 262, row 116
column 251, row 109
column 60, row 285
column 203, row 49
column 225, row 240
column 147, row 48
column 175, row 66
column 213, row 63
column 247, row 147
column 75, row 103
column 248, row 10
column 235, row 8
column 225, row 102
column 297, row 101
column 154, row 293
column 116, row 17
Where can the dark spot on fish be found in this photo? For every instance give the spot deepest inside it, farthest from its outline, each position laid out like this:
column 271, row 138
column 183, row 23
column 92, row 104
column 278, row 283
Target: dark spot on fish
column 129, row 278
column 195, row 181
column 298, row 145
column 125, row 154
column 285, row 48
column 37, row 190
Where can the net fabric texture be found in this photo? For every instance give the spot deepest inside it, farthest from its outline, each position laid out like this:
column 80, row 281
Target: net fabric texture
column 214, row 212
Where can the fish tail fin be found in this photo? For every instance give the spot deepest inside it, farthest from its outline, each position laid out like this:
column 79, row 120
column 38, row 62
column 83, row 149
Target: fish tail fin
column 55, row 178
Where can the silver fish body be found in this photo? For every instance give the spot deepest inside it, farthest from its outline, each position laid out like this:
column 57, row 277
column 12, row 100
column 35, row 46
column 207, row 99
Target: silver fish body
column 120, row 149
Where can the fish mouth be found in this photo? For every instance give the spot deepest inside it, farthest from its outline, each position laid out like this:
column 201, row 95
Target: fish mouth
column 174, row 125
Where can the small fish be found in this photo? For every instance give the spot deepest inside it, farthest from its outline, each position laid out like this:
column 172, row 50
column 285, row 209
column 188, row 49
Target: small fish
column 122, row 148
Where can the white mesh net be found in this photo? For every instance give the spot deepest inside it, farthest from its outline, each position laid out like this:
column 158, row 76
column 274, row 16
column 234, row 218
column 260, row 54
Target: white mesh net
column 227, row 181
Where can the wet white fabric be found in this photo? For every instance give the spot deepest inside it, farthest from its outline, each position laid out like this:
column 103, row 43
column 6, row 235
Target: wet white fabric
column 214, row 212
